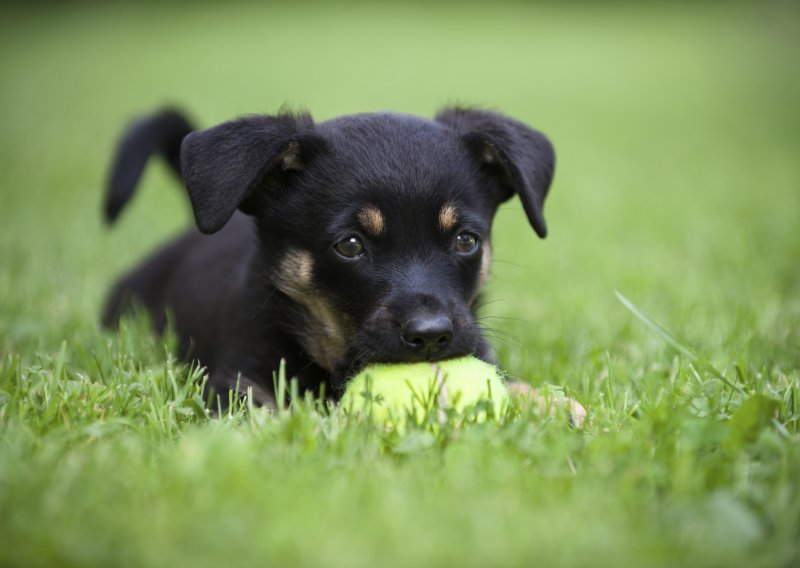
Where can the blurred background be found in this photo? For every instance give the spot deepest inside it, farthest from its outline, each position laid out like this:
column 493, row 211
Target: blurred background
column 677, row 130
column 676, row 126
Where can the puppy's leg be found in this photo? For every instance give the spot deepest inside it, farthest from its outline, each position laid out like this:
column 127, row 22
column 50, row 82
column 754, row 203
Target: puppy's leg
column 222, row 385
column 548, row 404
column 145, row 284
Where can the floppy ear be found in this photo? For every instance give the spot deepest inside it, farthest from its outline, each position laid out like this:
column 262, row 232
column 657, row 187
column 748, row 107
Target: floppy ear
column 223, row 165
column 521, row 159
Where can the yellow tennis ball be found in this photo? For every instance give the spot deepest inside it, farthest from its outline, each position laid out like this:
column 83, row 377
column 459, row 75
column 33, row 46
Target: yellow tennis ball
column 391, row 393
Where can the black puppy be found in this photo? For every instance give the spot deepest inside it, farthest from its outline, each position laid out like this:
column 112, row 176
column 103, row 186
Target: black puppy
column 361, row 239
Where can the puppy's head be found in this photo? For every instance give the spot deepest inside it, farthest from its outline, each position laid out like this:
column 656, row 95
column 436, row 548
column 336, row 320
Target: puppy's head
column 375, row 226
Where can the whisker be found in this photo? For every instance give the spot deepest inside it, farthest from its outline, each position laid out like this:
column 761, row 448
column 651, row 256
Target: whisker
column 485, row 303
column 500, row 336
column 506, row 341
column 513, row 263
column 504, row 318
column 261, row 308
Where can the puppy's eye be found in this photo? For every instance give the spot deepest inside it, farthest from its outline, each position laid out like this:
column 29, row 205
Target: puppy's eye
column 351, row 247
column 466, row 243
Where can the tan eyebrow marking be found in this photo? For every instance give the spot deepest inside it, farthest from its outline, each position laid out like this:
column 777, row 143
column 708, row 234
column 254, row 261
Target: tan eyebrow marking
column 290, row 157
column 448, row 217
column 372, row 220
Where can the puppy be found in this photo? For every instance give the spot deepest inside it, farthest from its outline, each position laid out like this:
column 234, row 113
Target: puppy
column 361, row 239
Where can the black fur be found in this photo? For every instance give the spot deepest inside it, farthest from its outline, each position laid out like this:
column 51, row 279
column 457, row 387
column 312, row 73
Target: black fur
column 280, row 199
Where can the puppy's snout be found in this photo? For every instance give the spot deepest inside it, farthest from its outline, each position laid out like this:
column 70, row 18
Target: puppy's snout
column 429, row 334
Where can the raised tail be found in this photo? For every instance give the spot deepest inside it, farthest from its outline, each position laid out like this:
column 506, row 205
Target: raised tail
column 160, row 133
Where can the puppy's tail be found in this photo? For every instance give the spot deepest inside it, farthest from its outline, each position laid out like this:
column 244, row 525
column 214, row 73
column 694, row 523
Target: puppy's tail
column 160, row 133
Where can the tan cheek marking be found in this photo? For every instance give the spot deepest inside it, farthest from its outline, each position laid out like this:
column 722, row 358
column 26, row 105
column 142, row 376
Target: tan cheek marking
column 448, row 217
column 372, row 220
column 486, row 264
column 324, row 331
column 295, row 272
column 483, row 273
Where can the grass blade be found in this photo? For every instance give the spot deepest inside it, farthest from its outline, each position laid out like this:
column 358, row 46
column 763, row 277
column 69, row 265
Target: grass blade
column 676, row 344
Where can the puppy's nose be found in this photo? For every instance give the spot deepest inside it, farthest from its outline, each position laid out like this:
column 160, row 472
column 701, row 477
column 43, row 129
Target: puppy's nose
column 428, row 334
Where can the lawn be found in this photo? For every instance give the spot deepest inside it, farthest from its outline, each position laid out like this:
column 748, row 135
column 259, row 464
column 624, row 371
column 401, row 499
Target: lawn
column 678, row 186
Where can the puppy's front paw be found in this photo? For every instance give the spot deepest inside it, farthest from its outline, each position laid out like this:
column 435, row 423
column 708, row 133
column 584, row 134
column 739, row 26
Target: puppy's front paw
column 549, row 403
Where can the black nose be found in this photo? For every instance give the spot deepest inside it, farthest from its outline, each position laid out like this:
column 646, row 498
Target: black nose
column 428, row 334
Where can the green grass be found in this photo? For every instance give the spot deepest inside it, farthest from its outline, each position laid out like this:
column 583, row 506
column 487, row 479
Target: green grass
column 678, row 186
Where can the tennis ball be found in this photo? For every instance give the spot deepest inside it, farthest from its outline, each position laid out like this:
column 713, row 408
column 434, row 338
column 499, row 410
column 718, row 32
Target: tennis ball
column 391, row 393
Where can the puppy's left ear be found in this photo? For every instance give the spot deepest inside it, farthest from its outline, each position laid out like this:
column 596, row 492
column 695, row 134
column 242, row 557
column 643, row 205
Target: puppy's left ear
column 225, row 167
column 519, row 158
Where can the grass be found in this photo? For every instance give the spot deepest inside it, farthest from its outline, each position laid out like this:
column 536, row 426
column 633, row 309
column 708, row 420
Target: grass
column 677, row 186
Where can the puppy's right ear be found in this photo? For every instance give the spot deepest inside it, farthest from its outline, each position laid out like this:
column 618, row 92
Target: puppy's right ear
column 224, row 165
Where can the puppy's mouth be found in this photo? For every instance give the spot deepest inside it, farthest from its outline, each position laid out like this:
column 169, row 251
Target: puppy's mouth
column 429, row 337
